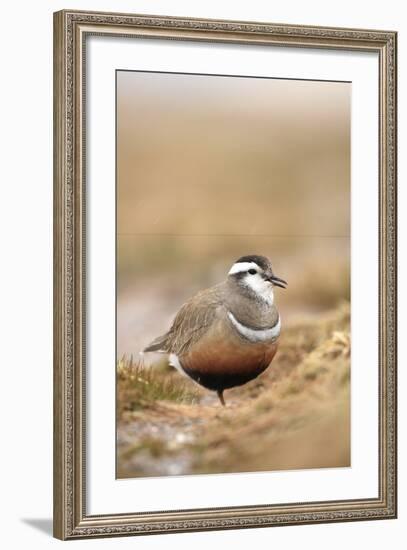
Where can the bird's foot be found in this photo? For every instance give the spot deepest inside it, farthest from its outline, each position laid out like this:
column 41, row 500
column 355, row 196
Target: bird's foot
column 221, row 399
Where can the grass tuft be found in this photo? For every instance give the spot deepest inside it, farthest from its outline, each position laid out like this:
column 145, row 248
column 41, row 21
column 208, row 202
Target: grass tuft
column 139, row 386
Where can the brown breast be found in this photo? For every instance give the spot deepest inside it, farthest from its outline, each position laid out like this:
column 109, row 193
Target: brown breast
column 222, row 358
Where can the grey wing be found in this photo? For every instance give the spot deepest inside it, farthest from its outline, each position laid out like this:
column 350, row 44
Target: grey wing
column 190, row 324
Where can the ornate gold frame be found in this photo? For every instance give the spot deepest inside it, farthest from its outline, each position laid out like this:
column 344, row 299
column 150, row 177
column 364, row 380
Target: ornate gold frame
column 70, row 518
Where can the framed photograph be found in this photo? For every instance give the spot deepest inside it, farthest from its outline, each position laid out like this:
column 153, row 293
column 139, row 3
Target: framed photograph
column 225, row 274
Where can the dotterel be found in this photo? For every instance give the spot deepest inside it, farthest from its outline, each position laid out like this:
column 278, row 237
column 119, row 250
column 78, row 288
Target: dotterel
column 228, row 334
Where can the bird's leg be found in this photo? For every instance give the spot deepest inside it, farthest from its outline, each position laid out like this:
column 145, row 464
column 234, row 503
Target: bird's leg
column 220, row 395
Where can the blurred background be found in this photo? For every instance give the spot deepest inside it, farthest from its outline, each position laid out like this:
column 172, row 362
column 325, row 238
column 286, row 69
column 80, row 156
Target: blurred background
column 210, row 168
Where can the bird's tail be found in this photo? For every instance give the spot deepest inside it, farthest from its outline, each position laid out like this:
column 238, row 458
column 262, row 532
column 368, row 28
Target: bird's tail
column 159, row 344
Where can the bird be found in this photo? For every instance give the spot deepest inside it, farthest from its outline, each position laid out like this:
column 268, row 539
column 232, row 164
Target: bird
column 226, row 335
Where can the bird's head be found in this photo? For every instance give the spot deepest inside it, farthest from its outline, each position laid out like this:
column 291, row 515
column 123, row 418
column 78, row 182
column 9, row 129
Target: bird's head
column 254, row 273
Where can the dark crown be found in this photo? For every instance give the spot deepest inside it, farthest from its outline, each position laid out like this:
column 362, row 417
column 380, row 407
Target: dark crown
column 261, row 261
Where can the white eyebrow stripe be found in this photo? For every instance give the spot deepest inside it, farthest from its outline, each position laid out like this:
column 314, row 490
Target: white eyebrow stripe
column 268, row 334
column 238, row 267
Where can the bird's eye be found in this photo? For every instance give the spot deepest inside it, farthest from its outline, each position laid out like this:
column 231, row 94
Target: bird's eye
column 252, row 271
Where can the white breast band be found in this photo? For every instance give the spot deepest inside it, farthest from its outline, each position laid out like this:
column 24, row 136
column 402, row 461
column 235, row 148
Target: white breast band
column 254, row 335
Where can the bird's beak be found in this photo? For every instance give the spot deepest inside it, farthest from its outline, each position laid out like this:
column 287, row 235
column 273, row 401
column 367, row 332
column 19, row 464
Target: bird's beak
column 277, row 281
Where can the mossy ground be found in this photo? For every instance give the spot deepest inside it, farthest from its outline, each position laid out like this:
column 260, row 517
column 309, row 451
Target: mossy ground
column 295, row 415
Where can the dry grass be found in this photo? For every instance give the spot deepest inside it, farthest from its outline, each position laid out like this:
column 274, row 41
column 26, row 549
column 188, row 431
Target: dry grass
column 139, row 387
column 295, row 415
